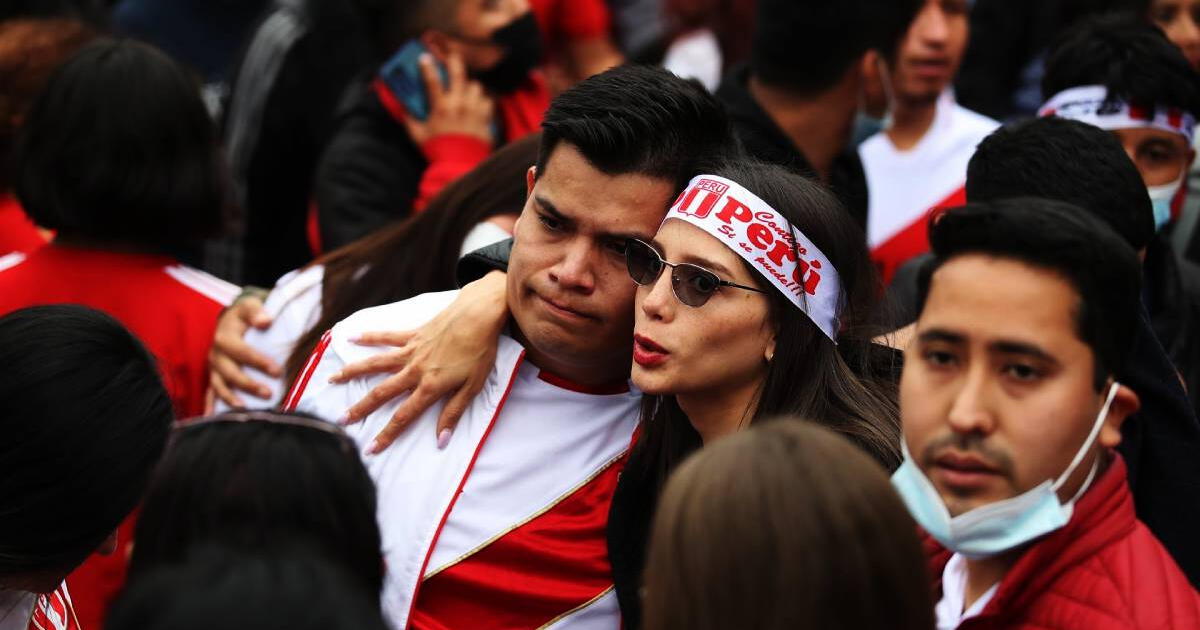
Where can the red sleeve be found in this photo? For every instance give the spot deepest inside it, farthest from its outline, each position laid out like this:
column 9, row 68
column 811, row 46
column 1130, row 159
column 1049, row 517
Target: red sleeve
column 450, row 157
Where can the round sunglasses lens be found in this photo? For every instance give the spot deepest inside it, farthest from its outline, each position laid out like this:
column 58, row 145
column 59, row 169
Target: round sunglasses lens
column 693, row 285
column 642, row 262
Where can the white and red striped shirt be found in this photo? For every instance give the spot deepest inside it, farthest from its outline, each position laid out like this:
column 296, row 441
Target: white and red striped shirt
column 905, row 186
column 505, row 528
column 29, row 611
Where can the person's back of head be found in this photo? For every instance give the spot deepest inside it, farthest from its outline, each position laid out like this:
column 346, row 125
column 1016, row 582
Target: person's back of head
column 1064, row 160
column 807, row 46
column 252, row 480
column 637, row 119
column 293, row 587
column 119, row 149
column 785, row 525
column 85, row 417
column 30, row 50
column 1061, row 238
column 94, row 11
column 1129, row 57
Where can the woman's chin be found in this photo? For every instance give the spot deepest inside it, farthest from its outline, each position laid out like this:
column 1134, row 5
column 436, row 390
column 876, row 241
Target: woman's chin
column 651, row 382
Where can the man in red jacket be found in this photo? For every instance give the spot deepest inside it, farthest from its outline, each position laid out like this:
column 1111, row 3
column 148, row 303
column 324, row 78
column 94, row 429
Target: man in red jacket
column 1010, row 415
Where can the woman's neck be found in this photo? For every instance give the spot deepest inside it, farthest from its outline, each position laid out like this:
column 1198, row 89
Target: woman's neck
column 717, row 414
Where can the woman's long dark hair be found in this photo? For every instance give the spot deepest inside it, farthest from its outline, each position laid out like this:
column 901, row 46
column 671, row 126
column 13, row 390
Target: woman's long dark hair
column 849, row 387
column 419, row 255
column 258, row 484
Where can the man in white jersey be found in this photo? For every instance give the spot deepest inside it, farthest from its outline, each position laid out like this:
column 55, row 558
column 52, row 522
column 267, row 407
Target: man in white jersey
column 919, row 162
column 504, row 526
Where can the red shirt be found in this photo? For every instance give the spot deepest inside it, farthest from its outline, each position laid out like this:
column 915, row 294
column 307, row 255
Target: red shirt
column 173, row 309
column 17, row 232
column 566, row 21
column 1103, row 571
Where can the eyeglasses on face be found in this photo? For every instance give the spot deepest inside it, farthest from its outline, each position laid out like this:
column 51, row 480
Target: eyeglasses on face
column 692, row 285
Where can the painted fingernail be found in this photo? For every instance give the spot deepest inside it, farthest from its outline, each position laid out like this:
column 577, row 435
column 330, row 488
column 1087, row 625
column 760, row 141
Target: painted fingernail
column 444, row 438
column 335, row 378
column 344, row 419
column 375, row 448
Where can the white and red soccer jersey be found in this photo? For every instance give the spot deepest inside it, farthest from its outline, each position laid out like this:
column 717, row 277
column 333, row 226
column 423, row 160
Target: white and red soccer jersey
column 173, row 309
column 505, row 528
column 905, row 186
column 30, row 611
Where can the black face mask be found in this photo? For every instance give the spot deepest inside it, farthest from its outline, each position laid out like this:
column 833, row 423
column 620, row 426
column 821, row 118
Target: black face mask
column 522, row 43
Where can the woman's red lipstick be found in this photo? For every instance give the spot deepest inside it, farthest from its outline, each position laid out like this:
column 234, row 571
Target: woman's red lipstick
column 648, row 354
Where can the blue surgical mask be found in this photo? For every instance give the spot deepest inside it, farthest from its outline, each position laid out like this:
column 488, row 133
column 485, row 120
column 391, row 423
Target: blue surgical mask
column 1161, row 197
column 1001, row 526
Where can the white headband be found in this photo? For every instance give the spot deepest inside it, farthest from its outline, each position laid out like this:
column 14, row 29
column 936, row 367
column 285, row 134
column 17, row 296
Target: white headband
column 768, row 242
column 1090, row 104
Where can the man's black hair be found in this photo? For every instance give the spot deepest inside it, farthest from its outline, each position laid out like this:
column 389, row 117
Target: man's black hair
column 120, row 148
column 1062, row 238
column 292, row 588
column 92, row 11
column 1064, row 160
column 638, row 119
column 84, row 418
column 1127, row 55
column 806, row 46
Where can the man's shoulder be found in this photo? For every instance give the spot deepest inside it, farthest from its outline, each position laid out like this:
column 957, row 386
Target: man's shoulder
column 397, row 316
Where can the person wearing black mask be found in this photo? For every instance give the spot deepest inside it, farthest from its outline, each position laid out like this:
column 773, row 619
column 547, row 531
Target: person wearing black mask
column 462, row 84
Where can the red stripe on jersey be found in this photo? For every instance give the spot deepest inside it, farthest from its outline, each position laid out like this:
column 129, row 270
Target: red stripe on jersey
column 512, row 379
column 913, row 240
column 1137, row 112
column 544, row 569
column 293, row 397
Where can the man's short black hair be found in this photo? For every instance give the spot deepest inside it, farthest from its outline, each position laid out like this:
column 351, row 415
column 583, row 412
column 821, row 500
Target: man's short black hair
column 1062, row 238
column 1127, row 55
column 638, row 119
column 293, row 588
column 1064, row 160
column 806, row 46
column 120, row 148
column 84, row 418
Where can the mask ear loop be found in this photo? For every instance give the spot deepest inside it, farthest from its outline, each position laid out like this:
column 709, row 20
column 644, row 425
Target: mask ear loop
column 1087, row 444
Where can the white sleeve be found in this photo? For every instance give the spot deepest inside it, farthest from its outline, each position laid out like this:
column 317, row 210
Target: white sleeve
column 294, row 306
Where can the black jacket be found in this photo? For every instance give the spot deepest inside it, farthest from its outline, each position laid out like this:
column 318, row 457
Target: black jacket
column 761, row 138
column 1160, row 443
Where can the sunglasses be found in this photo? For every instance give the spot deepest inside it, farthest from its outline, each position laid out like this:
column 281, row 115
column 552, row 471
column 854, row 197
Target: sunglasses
column 691, row 284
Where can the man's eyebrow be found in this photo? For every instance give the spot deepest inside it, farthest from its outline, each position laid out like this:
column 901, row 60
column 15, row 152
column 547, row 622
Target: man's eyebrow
column 1021, row 348
column 549, row 208
column 940, row 334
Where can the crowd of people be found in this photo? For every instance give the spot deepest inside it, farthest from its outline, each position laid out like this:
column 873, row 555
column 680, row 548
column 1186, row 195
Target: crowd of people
column 599, row 314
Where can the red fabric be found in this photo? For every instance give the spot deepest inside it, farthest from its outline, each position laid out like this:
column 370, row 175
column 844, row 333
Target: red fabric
column 544, row 569
column 565, row 21
column 293, row 396
column 1103, row 571
column 452, row 156
column 913, row 240
column 17, row 232
column 54, row 611
column 175, row 321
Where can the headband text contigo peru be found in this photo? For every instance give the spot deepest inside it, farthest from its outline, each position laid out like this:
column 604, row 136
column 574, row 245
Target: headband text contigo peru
column 768, row 242
column 1090, row 104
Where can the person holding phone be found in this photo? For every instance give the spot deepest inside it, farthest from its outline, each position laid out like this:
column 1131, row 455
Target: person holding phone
column 462, row 84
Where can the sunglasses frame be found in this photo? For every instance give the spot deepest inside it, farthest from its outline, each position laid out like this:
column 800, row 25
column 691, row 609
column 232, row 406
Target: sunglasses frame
column 675, row 282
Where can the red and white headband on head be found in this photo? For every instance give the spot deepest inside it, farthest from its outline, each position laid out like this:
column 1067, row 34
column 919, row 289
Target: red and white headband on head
column 1090, row 104
column 768, row 242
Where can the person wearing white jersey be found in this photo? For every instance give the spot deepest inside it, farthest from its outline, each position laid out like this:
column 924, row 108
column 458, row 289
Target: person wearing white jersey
column 505, row 524
column 918, row 163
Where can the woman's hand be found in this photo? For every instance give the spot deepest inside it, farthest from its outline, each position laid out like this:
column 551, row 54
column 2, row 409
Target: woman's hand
column 230, row 355
column 449, row 357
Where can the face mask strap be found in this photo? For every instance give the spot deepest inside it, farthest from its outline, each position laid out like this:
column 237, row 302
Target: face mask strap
column 1087, row 444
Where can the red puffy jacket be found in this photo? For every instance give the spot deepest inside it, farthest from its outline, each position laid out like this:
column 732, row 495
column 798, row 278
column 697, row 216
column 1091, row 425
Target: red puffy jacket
column 1103, row 571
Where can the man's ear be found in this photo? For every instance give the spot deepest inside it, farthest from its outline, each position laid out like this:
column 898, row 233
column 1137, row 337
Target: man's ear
column 530, row 180
column 1125, row 403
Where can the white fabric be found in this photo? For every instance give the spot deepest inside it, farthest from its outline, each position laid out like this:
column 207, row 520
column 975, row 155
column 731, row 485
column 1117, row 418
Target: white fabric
column 949, row 610
column 903, row 186
column 696, row 55
column 295, row 306
column 10, row 260
column 210, row 286
column 483, row 234
column 16, row 607
column 765, row 239
column 544, row 441
column 1090, row 104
